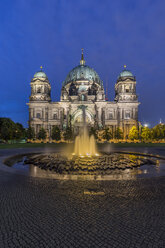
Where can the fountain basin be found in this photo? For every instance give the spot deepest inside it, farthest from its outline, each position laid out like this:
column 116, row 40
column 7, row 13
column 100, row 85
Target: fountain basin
column 87, row 165
column 123, row 166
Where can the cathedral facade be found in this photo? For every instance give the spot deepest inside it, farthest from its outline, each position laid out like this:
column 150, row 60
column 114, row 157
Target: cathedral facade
column 83, row 88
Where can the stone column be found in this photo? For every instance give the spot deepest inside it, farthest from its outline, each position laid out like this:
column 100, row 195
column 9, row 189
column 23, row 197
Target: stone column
column 42, row 114
column 30, row 114
column 99, row 117
column 121, row 114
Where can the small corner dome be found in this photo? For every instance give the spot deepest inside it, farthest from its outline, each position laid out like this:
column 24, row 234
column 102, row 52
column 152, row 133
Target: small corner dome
column 125, row 73
column 40, row 74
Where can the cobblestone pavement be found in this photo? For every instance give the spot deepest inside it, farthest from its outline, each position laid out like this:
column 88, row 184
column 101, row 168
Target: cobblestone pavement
column 49, row 213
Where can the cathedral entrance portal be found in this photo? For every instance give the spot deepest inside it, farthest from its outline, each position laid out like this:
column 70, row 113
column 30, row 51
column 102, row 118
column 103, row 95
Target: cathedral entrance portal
column 78, row 121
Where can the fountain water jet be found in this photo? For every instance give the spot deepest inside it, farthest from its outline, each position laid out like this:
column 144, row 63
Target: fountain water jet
column 85, row 145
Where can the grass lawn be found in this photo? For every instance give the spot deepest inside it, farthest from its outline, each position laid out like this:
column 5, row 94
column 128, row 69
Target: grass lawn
column 31, row 145
column 137, row 144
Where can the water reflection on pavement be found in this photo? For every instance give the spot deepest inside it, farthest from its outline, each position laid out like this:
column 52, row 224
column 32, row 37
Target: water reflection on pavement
column 53, row 213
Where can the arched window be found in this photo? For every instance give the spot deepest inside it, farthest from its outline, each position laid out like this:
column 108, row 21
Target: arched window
column 127, row 88
column 110, row 115
column 82, row 98
column 55, row 116
column 39, row 90
column 38, row 115
column 127, row 115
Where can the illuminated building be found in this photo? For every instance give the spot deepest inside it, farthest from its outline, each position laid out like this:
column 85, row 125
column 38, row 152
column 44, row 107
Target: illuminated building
column 83, row 86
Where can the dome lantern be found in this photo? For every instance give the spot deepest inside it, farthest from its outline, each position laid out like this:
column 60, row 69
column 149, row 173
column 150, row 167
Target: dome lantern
column 82, row 61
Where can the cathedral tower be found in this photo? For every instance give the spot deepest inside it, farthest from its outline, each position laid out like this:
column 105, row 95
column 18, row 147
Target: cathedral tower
column 39, row 101
column 125, row 88
column 127, row 101
column 40, row 87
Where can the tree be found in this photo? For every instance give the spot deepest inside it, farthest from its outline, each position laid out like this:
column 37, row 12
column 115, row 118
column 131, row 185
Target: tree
column 68, row 134
column 158, row 132
column 7, row 129
column 133, row 133
column 10, row 130
column 118, row 134
column 56, row 133
column 30, row 134
column 42, row 134
column 146, row 134
column 107, row 134
column 93, row 132
column 163, row 130
column 19, row 132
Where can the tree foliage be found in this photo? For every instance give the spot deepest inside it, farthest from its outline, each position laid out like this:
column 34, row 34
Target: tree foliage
column 107, row 134
column 42, row 134
column 133, row 133
column 68, row 134
column 158, row 132
column 146, row 134
column 56, row 133
column 20, row 132
column 30, row 134
column 10, row 130
column 118, row 134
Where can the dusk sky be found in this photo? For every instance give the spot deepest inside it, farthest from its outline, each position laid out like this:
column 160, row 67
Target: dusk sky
column 51, row 33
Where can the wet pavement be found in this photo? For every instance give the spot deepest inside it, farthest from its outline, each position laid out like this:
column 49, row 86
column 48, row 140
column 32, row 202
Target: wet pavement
column 36, row 212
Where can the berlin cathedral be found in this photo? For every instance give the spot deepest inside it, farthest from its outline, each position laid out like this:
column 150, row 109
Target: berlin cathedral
column 83, row 88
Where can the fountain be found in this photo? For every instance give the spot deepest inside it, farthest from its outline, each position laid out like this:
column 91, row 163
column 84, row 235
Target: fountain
column 85, row 160
column 85, row 145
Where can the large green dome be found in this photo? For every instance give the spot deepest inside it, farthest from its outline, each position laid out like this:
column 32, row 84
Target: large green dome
column 81, row 72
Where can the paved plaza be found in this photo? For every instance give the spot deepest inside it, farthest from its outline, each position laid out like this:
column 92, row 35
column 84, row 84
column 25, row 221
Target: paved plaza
column 47, row 213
